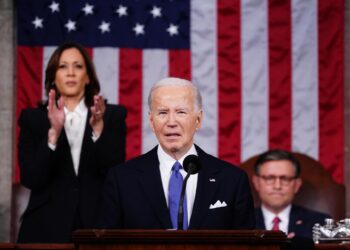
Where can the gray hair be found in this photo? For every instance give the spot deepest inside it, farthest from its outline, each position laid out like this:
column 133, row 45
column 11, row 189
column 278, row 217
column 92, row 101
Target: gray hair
column 173, row 81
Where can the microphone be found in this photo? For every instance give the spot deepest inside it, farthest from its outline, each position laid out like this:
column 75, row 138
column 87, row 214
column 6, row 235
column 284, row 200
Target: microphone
column 191, row 165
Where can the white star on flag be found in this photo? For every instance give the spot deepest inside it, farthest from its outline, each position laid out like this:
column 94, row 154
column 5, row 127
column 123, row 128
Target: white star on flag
column 55, row 7
column 104, row 27
column 139, row 29
column 38, row 22
column 156, row 12
column 122, row 11
column 173, row 29
column 88, row 9
column 70, row 25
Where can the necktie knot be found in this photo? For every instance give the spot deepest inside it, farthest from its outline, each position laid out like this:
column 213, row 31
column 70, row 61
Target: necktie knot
column 276, row 221
column 176, row 167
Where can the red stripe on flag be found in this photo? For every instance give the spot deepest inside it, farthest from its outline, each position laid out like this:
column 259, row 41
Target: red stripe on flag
column 331, row 86
column 180, row 64
column 90, row 52
column 280, row 75
column 29, row 88
column 130, row 95
column 229, row 75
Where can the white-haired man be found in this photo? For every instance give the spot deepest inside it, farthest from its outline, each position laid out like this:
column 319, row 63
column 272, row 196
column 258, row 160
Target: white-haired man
column 139, row 193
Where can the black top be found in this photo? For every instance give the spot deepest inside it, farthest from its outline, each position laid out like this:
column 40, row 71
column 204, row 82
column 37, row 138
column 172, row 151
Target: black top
column 60, row 200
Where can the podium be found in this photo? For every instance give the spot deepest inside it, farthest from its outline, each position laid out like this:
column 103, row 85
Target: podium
column 173, row 240
column 179, row 240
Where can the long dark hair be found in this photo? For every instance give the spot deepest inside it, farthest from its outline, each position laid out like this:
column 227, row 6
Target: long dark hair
column 91, row 89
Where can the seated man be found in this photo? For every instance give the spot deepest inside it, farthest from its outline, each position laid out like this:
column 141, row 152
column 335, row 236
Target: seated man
column 142, row 193
column 277, row 180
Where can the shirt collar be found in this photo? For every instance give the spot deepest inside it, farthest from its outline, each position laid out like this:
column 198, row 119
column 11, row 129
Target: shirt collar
column 80, row 109
column 283, row 215
column 169, row 161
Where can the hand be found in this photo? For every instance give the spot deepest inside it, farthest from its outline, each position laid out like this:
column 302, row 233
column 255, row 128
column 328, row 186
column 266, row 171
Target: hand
column 97, row 112
column 56, row 117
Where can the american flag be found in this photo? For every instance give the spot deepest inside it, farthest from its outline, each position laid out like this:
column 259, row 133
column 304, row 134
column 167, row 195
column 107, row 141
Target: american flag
column 271, row 72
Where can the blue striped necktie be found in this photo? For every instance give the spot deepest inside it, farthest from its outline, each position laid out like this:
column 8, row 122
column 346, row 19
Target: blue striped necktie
column 175, row 185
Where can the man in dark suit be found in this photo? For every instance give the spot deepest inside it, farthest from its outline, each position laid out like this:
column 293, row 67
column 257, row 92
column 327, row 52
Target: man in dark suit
column 277, row 180
column 138, row 193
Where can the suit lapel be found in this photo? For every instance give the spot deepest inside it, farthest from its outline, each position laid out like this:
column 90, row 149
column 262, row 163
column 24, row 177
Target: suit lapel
column 295, row 221
column 205, row 190
column 86, row 145
column 64, row 151
column 150, row 180
column 260, row 223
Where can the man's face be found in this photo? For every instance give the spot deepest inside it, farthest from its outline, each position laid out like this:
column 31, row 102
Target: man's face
column 173, row 118
column 276, row 184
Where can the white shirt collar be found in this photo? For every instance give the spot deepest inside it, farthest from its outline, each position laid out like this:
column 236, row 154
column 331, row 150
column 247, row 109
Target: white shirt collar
column 169, row 161
column 80, row 109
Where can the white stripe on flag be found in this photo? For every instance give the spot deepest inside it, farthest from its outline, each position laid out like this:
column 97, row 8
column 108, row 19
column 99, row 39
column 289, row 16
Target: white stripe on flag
column 204, row 69
column 47, row 53
column 106, row 61
column 155, row 67
column 255, row 104
column 305, row 75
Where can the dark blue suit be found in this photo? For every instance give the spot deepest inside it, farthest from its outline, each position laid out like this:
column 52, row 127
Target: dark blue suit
column 134, row 196
column 301, row 220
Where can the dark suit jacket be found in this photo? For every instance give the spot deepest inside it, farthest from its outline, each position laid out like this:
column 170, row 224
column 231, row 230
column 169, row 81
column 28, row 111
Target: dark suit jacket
column 60, row 200
column 301, row 220
column 134, row 198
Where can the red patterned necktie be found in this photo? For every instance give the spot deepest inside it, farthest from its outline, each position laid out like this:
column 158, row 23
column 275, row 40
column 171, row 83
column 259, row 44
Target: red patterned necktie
column 276, row 221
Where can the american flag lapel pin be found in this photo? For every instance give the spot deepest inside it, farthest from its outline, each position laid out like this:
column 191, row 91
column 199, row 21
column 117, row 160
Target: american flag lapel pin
column 299, row 222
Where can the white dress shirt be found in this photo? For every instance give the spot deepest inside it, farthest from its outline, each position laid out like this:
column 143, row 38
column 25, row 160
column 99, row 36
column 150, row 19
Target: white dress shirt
column 283, row 216
column 74, row 126
column 166, row 162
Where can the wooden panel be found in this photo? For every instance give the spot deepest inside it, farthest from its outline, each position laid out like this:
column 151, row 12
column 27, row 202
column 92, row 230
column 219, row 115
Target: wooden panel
column 112, row 246
column 37, row 246
column 7, row 246
column 179, row 240
column 11, row 246
column 332, row 246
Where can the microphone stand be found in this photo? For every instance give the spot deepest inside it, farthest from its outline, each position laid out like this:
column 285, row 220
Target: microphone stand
column 180, row 215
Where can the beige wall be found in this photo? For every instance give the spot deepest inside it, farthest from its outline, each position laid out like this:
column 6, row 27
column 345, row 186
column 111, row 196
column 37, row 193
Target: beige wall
column 6, row 114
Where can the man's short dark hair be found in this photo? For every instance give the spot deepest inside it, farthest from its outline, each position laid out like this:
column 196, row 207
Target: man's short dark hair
column 277, row 155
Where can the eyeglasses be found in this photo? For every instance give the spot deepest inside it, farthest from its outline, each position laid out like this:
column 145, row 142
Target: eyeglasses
column 271, row 179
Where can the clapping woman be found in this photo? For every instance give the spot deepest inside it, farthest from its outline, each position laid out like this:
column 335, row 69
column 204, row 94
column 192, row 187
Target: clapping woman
column 66, row 147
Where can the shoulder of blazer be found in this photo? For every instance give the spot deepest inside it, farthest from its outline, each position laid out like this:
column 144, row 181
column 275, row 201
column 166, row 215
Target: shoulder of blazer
column 141, row 162
column 210, row 161
column 38, row 116
column 149, row 157
column 117, row 110
column 306, row 213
